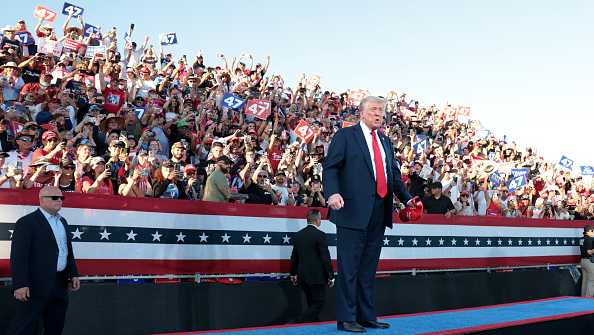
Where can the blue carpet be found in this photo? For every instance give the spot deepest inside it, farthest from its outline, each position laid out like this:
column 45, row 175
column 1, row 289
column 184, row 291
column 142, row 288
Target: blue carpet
column 442, row 321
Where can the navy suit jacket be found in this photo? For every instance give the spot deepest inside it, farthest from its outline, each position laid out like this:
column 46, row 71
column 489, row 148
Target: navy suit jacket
column 348, row 171
column 34, row 255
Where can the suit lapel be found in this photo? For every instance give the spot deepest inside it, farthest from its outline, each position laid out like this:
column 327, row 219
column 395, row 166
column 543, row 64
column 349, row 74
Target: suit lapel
column 363, row 145
column 46, row 226
column 385, row 144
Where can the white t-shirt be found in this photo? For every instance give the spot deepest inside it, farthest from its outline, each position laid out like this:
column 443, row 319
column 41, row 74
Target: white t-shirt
column 283, row 192
column 145, row 86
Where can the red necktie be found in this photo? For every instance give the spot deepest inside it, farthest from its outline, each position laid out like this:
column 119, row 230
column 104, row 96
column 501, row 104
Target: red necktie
column 380, row 177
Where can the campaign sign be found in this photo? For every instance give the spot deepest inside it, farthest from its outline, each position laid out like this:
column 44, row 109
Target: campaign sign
column 495, row 179
column 90, row 30
column 519, row 172
column 587, row 170
column 168, row 38
column 44, row 13
column 347, row 124
column 50, row 47
column 232, row 101
column 99, row 51
column 258, row 108
column 25, row 38
column 566, row 162
column 74, row 10
column 304, row 131
column 516, row 182
column 421, row 145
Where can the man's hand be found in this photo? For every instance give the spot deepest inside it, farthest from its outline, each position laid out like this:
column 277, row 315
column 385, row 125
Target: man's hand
column 22, row 294
column 335, row 201
column 74, row 284
column 294, row 280
column 411, row 203
column 331, row 282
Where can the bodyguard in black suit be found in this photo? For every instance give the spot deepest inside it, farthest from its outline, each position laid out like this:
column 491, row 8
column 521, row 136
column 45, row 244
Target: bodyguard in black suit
column 43, row 267
column 360, row 176
column 311, row 266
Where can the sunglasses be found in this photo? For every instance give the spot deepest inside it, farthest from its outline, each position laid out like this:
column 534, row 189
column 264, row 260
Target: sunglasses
column 55, row 197
column 25, row 139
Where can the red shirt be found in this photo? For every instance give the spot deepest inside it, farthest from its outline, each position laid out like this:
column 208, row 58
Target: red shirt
column 114, row 99
column 40, row 153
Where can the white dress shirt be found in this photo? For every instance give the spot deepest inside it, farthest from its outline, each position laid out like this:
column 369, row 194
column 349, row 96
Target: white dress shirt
column 369, row 140
column 60, row 235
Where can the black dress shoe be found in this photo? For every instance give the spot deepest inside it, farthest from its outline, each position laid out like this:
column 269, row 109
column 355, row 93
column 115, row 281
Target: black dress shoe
column 374, row 324
column 350, row 327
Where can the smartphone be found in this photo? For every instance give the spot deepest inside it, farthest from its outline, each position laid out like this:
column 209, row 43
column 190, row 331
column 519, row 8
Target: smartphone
column 19, row 165
column 52, row 168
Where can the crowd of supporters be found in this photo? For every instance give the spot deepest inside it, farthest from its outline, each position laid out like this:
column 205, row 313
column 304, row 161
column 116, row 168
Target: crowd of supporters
column 136, row 122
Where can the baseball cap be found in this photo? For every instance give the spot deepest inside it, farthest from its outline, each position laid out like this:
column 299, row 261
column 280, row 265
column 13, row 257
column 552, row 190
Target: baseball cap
column 96, row 161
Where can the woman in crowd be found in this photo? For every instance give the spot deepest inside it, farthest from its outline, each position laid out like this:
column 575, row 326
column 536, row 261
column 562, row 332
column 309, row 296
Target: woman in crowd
column 97, row 180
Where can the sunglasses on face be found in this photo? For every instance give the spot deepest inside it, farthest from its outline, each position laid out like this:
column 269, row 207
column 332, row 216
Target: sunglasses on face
column 55, row 197
column 25, row 139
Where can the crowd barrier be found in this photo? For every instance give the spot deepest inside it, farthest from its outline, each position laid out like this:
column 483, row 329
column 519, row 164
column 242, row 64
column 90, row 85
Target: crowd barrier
column 117, row 236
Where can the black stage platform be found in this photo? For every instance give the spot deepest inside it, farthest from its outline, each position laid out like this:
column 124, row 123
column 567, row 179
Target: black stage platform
column 109, row 308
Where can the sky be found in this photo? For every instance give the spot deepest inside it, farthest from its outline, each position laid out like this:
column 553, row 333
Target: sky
column 524, row 67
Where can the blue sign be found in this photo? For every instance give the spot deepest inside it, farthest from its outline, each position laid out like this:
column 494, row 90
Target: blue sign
column 566, row 162
column 90, row 30
column 491, row 155
column 25, row 38
column 519, row 172
column 421, row 145
column 168, row 39
column 587, row 170
column 74, row 10
column 516, row 182
column 495, row 179
column 232, row 101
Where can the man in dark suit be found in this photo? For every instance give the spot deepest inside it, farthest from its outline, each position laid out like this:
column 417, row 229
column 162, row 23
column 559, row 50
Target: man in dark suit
column 311, row 266
column 43, row 267
column 360, row 177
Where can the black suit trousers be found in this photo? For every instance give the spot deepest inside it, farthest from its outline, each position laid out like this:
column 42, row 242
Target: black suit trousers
column 358, row 253
column 51, row 310
column 315, row 295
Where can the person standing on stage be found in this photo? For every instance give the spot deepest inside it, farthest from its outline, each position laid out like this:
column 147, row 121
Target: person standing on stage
column 360, row 177
column 587, row 249
column 43, row 267
column 311, row 267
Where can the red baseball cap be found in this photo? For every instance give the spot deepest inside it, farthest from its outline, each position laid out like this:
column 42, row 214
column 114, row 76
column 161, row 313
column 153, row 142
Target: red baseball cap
column 48, row 134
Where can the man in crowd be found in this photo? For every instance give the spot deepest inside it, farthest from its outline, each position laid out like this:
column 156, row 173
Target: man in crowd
column 437, row 202
column 311, row 267
column 42, row 266
column 217, row 185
